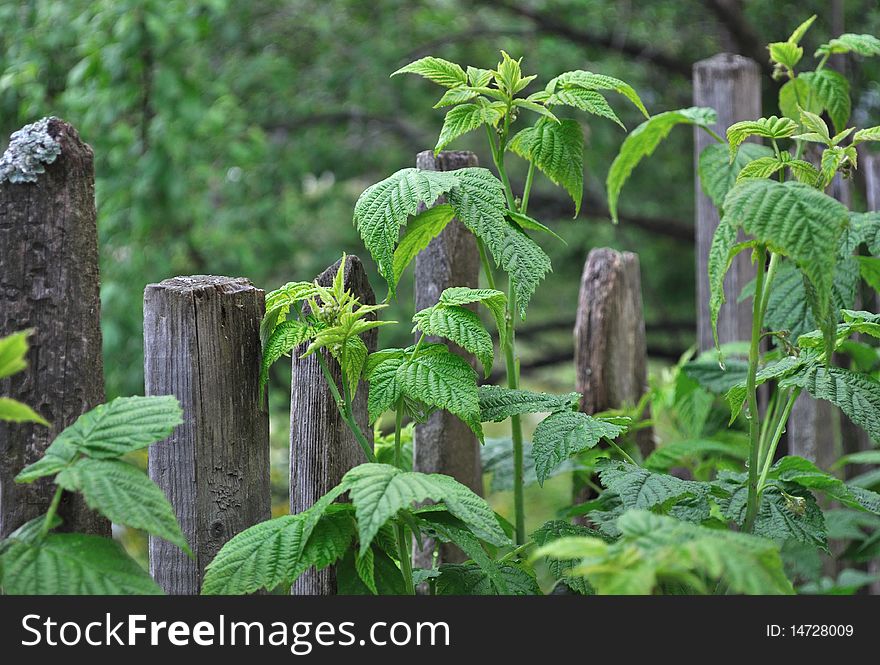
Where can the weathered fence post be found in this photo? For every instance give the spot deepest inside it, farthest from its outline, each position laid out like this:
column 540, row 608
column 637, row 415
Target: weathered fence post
column 322, row 448
column 610, row 353
column 48, row 282
column 731, row 84
column 202, row 345
column 444, row 444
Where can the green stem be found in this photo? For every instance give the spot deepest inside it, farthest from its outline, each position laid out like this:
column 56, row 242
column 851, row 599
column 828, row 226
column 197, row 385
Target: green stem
column 752, row 388
column 344, row 407
column 527, row 189
column 50, row 515
column 777, row 435
column 403, row 546
column 714, row 135
column 516, row 434
column 487, row 267
column 516, row 552
column 621, row 452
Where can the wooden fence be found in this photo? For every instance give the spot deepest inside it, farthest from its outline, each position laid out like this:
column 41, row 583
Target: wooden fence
column 201, row 344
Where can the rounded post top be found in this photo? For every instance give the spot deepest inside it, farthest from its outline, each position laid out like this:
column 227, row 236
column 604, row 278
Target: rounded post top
column 446, row 160
column 726, row 62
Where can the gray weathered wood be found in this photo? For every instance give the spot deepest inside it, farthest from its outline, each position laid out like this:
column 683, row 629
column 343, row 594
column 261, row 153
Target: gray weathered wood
column 49, row 282
column 202, row 345
column 731, row 84
column 444, row 444
column 322, row 448
column 610, row 352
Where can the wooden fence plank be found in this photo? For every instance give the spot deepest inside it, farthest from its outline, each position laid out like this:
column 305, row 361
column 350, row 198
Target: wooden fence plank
column 609, row 336
column 49, row 282
column 731, row 84
column 202, row 344
column 322, row 448
column 444, row 444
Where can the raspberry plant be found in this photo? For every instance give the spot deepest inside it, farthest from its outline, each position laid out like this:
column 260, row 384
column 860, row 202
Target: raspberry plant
column 85, row 458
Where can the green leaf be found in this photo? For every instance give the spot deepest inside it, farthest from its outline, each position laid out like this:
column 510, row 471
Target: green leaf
column 867, row 134
column 494, row 301
column 831, row 90
column 718, row 174
column 683, row 453
column 455, row 96
column 561, row 568
column 641, row 488
column 566, row 433
column 716, row 379
column 801, row 30
column 444, row 380
column 423, row 228
column 795, row 220
column 794, row 96
column 279, row 302
column 498, row 404
column 527, row 223
column 771, row 128
column 869, row 268
column 722, row 251
column 109, row 431
column 863, row 45
column 276, row 552
column 590, row 81
column 496, row 456
column 857, row 395
column 384, row 388
column 468, row 579
column 557, row 150
column 458, row 325
column 438, row 70
column 785, row 53
column 285, row 337
column 479, row 77
column 589, row 101
column 384, row 207
column 380, row 491
column 14, row 411
column 72, row 564
column 479, row 203
column 764, row 167
column 806, row 474
column 540, row 109
column 773, row 371
column 643, row 140
column 386, row 574
column 124, row 495
column 466, row 118
column 444, row 527
column 784, row 513
column 13, row 350
column 365, row 565
column 656, row 550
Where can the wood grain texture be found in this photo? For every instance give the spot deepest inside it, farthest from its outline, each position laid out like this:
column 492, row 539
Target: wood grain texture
column 49, row 282
column 444, row 444
column 609, row 335
column 202, row 345
column 322, row 448
column 731, row 84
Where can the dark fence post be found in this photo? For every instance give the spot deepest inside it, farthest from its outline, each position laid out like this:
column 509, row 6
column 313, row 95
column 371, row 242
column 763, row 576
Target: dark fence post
column 444, row 444
column 731, row 84
column 610, row 352
column 202, row 344
column 322, row 448
column 49, row 282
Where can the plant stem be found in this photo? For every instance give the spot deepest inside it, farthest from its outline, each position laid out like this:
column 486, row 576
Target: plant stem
column 527, row 189
column 777, row 434
column 50, row 515
column 344, row 407
column 403, row 546
column 487, row 267
column 621, row 452
column 751, row 387
column 714, row 135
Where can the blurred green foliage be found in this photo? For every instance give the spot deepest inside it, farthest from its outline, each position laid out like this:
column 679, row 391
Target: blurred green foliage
column 234, row 137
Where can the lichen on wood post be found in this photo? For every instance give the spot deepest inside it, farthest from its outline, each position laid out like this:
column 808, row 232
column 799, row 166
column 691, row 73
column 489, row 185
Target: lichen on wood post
column 322, row 448
column 49, row 282
column 443, row 443
column 202, row 345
